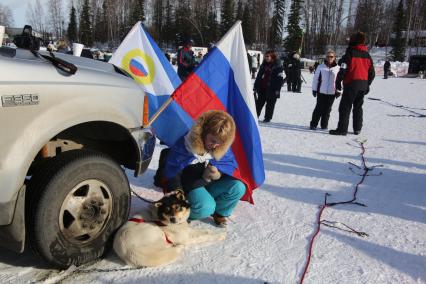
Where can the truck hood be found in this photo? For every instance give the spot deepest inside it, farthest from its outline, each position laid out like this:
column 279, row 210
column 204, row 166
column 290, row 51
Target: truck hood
column 89, row 70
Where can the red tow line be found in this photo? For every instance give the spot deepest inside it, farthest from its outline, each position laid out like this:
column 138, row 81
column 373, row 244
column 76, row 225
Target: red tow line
column 366, row 170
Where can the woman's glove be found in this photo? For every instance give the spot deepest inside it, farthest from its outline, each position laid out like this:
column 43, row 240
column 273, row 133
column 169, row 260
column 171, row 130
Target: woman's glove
column 337, row 94
column 211, row 173
column 277, row 94
column 314, row 93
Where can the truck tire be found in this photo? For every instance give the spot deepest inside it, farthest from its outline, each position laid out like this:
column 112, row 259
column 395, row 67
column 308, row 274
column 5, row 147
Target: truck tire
column 76, row 202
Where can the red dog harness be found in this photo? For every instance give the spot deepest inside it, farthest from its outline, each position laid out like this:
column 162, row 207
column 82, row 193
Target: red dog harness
column 140, row 220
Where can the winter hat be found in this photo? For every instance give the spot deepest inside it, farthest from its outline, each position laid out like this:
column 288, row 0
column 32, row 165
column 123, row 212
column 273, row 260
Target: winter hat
column 357, row 38
column 189, row 41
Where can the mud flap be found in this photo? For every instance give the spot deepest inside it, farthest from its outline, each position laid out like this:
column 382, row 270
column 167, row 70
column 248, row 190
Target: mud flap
column 12, row 236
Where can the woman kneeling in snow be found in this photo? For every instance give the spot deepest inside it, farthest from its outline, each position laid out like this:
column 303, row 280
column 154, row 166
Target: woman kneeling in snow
column 191, row 165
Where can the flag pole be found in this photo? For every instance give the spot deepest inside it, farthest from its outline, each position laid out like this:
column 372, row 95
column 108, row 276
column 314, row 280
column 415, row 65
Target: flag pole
column 159, row 111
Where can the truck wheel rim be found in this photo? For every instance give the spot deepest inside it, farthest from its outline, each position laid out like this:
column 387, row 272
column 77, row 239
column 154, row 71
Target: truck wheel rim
column 85, row 211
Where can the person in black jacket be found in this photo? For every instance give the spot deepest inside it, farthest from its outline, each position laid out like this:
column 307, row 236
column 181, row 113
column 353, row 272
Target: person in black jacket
column 268, row 84
column 286, row 63
column 295, row 73
column 357, row 74
column 386, row 68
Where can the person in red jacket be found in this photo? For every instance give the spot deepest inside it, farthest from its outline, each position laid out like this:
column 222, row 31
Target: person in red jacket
column 357, row 74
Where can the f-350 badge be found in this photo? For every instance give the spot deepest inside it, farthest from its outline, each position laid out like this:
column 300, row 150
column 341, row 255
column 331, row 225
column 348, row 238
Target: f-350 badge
column 20, row 100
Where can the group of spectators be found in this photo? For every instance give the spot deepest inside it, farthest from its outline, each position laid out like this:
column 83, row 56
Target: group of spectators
column 352, row 76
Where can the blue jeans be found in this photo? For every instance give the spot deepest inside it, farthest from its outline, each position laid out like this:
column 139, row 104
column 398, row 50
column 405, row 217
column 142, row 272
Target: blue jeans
column 220, row 196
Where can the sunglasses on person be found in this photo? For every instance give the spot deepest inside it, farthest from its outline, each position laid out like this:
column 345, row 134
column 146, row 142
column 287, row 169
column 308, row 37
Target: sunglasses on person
column 330, row 56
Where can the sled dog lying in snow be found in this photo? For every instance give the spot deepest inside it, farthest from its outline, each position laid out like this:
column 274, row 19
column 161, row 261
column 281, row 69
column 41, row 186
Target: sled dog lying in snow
column 142, row 242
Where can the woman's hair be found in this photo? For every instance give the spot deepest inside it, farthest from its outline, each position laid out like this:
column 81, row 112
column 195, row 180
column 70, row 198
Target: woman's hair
column 272, row 53
column 330, row 51
column 218, row 123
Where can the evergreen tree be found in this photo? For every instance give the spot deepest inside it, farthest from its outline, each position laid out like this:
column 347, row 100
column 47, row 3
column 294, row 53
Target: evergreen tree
column 240, row 11
column 248, row 28
column 362, row 16
column 158, row 21
column 138, row 12
column 168, row 24
column 398, row 42
column 72, row 26
column 86, row 25
column 227, row 15
column 293, row 41
column 101, row 31
column 212, row 31
column 276, row 30
column 183, row 25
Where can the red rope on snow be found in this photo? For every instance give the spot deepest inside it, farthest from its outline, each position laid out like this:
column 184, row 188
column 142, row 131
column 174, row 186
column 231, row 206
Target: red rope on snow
column 311, row 244
column 366, row 170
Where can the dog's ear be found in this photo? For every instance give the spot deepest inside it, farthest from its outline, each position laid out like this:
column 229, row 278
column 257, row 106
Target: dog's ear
column 180, row 194
column 158, row 204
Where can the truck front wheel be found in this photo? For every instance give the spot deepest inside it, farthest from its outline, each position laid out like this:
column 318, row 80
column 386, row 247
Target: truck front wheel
column 76, row 202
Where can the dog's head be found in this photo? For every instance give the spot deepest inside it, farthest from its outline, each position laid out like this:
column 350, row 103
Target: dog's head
column 173, row 208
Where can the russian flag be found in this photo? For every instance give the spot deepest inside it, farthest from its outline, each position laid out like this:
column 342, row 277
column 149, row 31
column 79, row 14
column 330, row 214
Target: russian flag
column 140, row 56
column 222, row 82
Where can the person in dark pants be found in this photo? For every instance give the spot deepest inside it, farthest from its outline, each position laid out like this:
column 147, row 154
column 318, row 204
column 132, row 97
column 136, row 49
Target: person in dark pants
column 386, row 68
column 185, row 60
column 250, row 60
column 324, row 89
column 286, row 63
column 295, row 73
column 357, row 74
column 268, row 84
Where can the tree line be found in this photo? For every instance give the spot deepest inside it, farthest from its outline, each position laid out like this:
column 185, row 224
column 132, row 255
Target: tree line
column 307, row 26
column 6, row 16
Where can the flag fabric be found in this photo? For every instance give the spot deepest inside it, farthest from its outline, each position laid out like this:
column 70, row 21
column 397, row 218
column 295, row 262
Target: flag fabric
column 222, row 82
column 140, row 56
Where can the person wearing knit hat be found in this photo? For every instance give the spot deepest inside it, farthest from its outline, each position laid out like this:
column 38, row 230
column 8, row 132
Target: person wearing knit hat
column 357, row 74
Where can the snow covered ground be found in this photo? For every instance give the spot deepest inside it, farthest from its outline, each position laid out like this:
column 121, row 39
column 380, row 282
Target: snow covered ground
column 268, row 242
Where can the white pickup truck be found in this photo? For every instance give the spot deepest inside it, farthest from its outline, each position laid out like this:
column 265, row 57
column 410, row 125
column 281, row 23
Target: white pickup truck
column 69, row 127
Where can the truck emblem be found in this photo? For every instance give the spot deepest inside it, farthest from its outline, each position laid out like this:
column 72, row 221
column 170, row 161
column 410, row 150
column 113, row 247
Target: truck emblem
column 20, row 100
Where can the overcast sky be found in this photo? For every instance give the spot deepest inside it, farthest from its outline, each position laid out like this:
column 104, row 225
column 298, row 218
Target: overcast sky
column 18, row 8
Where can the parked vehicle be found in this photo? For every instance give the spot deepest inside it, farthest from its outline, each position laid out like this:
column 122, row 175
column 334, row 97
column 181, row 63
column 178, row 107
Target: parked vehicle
column 70, row 125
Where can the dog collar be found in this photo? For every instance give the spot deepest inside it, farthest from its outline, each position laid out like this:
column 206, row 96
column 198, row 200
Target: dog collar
column 140, row 220
column 137, row 220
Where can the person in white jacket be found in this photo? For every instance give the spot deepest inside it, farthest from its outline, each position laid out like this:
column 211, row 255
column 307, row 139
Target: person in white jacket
column 324, row 89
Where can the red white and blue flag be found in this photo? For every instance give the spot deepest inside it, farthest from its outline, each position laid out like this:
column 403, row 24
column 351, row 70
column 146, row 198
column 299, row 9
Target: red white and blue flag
column 222, row 82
